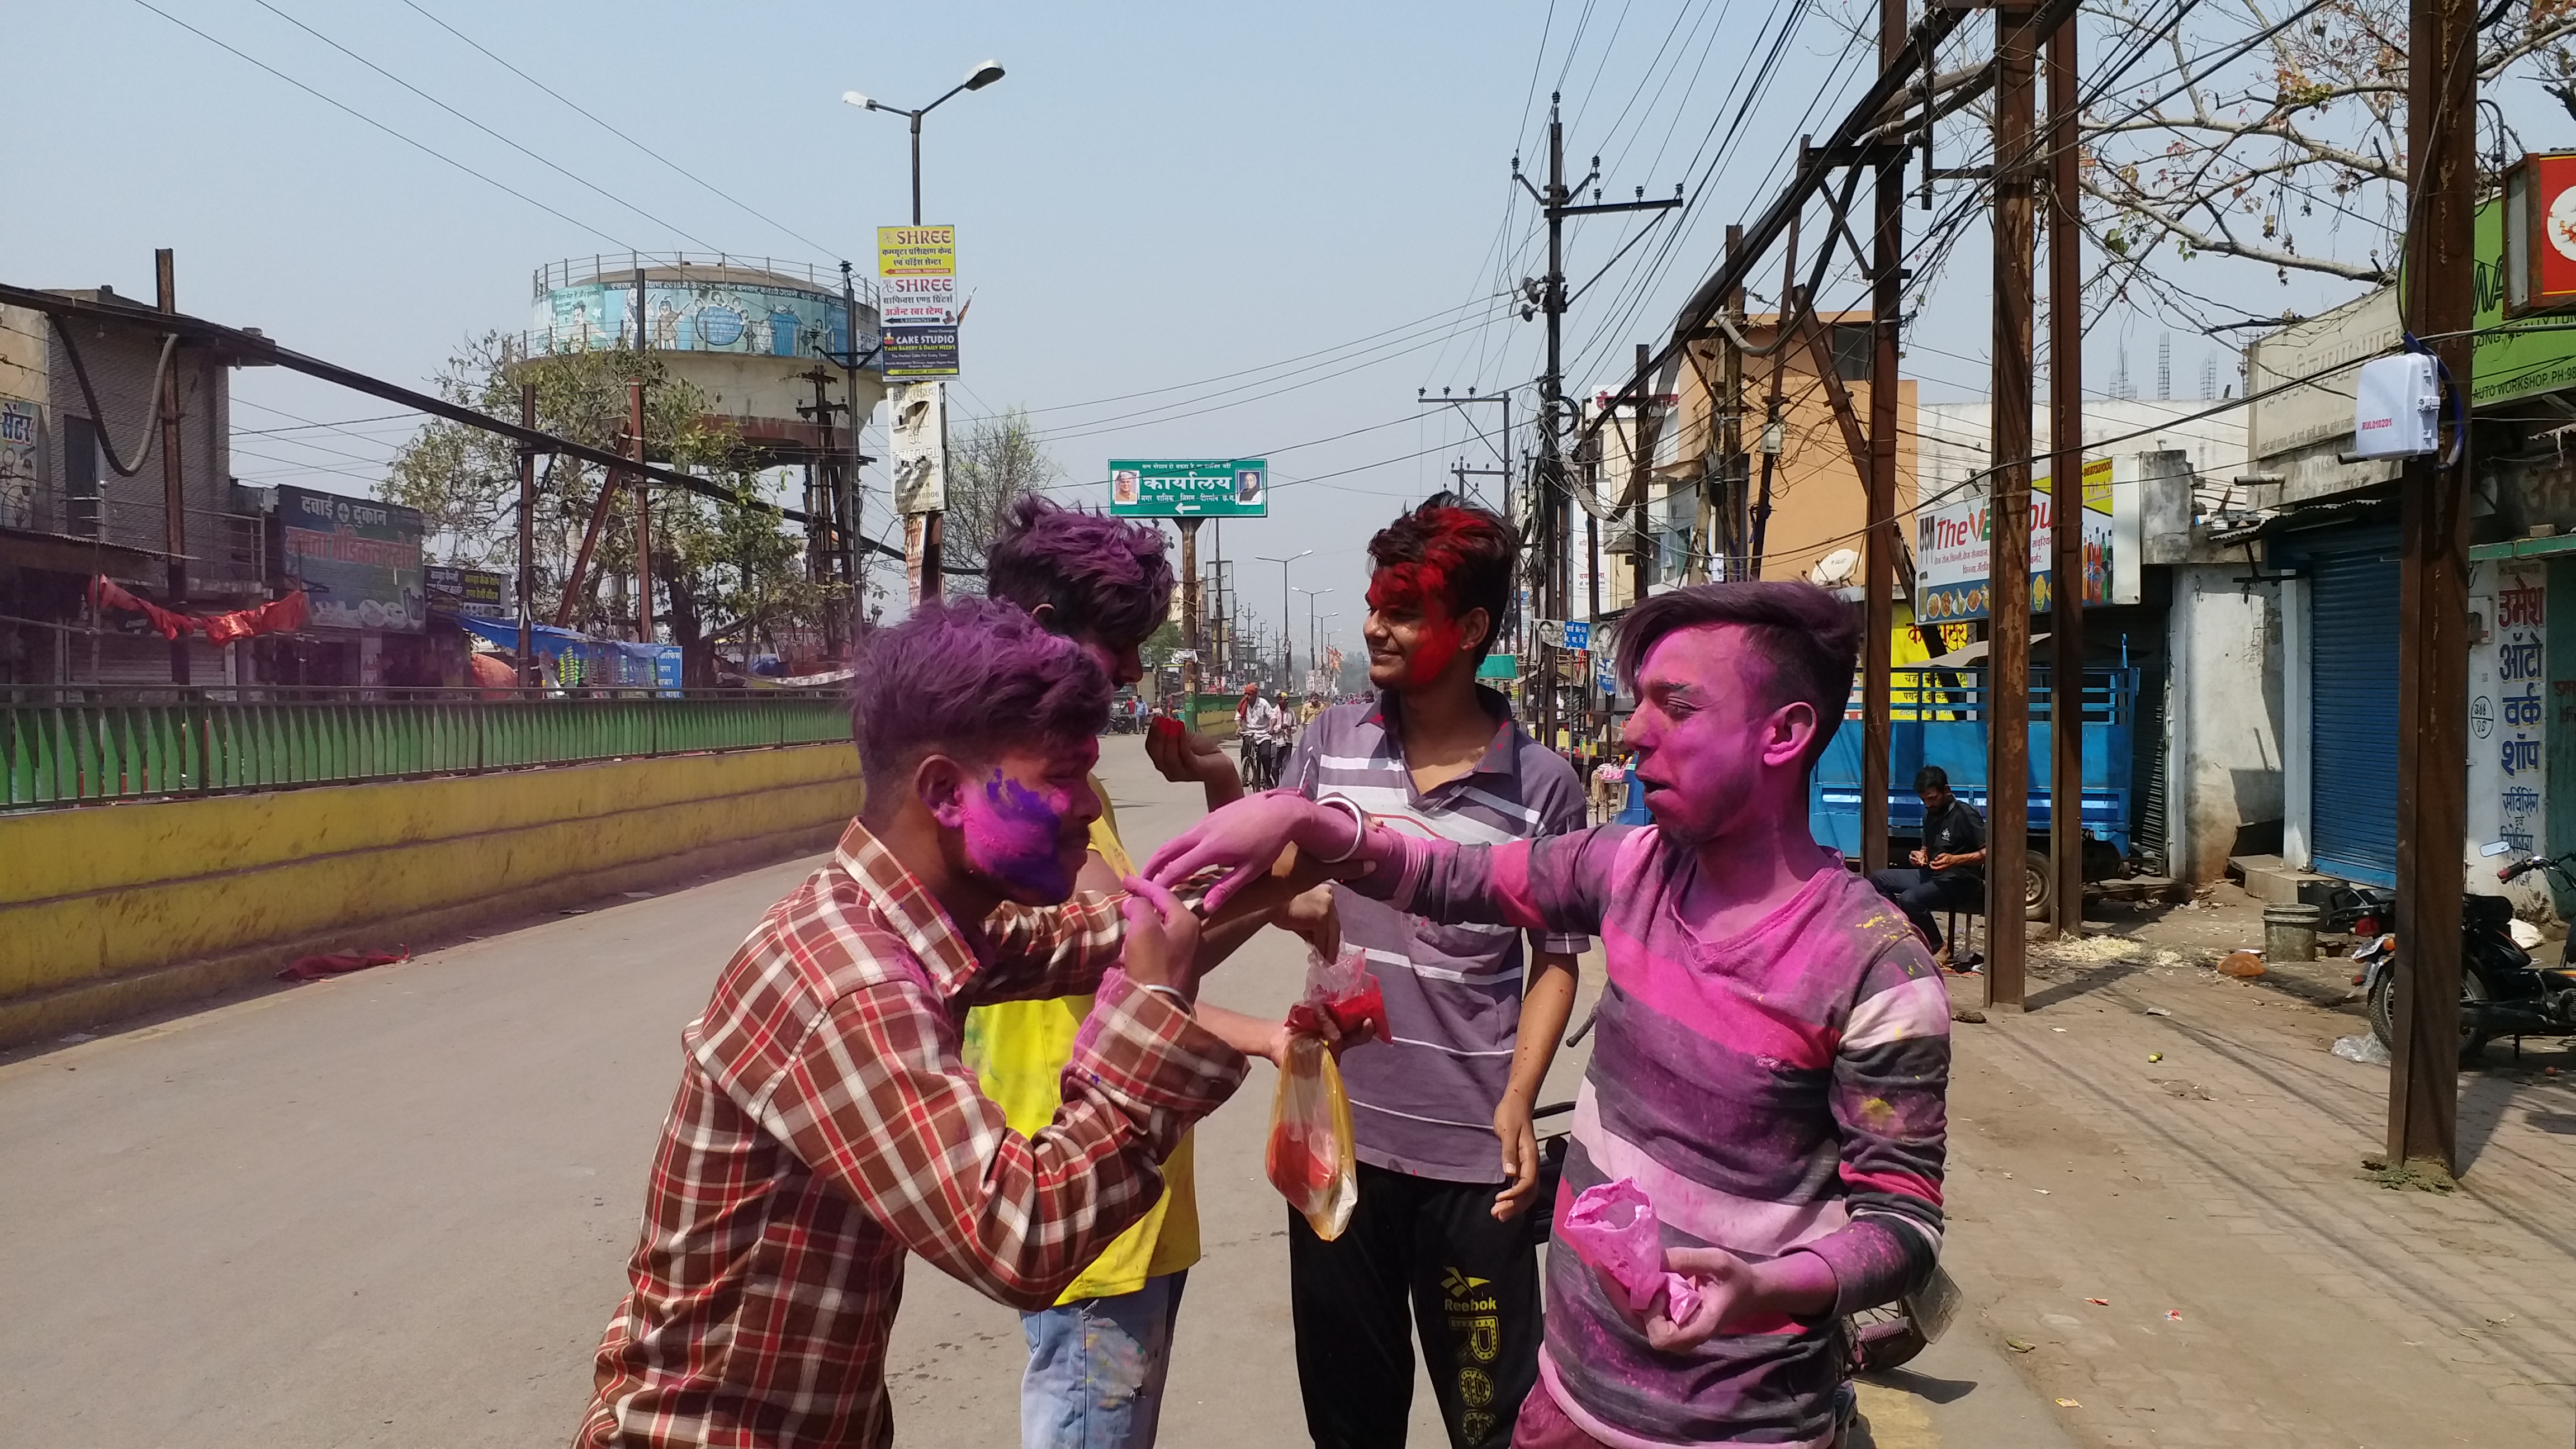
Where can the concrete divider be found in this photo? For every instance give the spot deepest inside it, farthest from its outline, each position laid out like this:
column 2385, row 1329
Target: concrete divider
column 110, row 910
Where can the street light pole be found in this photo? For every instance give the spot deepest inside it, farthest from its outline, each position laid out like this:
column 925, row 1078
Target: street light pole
column 1314, row 654
column 976, row 79
column 1287, row 657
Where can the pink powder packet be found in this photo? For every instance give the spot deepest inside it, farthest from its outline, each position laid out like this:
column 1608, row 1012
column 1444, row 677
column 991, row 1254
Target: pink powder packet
column 1612, row 1227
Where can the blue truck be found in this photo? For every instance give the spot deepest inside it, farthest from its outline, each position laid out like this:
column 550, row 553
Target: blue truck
column 1939, row 718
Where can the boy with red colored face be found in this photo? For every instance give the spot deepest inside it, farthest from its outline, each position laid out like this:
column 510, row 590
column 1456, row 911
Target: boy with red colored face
column 1773, row 1051
column 1448, row 1163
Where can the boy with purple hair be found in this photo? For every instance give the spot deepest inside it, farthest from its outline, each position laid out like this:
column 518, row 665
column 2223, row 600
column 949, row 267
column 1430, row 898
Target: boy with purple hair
column 825, row 1123
column 1774, row 1051
column 1099, row 1355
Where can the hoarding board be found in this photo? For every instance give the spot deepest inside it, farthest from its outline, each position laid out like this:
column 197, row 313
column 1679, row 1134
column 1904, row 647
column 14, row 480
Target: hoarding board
column 918, row 301
column 916, row 251
column 738, row 318
column 468, row 593
column 919, row 352
column 357, row 560
column 920, row 446
column 1953, row 548
column 1189, row 487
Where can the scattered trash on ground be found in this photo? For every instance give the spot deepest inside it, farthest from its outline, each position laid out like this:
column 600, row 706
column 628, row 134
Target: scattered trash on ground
column 2185, row 1089
column 2174, row 1314
column 340, row 963
column 2068, row 1404
column 2099, row 1302
column 2017, row 1346
column 76, row 1038
column 1968, row 1014
column 2243, row 965
column 637, row 895
column 2158, row 1011
column 574, row 911
column 2365, row 1049
column 2155, row 1056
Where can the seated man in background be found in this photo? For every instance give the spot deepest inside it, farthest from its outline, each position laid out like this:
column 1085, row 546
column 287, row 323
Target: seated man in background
column 1948, row 873
column 825, row 1124
column 1773, row 1055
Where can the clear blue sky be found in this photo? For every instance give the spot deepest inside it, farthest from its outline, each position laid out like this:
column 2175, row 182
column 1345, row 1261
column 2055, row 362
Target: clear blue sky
column 1156, row 195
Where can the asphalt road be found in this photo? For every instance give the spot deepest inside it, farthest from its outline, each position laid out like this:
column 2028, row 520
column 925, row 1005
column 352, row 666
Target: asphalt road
column 395, row 1208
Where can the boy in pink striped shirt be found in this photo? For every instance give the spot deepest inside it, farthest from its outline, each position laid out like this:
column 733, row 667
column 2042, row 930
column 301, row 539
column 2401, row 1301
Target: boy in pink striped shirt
column 1774, row 1042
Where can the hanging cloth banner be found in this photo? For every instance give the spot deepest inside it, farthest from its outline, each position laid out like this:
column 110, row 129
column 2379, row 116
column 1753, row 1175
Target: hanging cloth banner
column 278, row 616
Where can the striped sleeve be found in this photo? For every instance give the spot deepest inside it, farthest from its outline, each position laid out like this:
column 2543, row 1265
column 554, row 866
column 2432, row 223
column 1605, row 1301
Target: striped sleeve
column 1558, row 884
column 1562, row 811
column 1891, row 1075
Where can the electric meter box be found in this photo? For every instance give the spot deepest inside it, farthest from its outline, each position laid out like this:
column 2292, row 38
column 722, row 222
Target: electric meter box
column 2397, row 407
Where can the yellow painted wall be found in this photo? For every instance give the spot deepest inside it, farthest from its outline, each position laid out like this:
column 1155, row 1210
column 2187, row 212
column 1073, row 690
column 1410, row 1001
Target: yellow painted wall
column 97, row 895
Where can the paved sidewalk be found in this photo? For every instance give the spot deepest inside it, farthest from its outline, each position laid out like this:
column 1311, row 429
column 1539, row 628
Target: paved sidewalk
column 2258, row 1287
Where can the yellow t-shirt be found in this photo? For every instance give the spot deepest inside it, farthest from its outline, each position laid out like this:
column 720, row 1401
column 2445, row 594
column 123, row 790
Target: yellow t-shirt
column 1019, row 1049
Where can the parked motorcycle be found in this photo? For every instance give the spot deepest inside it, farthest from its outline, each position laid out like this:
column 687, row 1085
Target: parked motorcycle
column 2502, row 993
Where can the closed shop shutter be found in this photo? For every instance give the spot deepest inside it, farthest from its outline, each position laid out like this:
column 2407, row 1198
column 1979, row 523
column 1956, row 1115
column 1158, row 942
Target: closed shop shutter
column 2352, row 692
column 143, row 661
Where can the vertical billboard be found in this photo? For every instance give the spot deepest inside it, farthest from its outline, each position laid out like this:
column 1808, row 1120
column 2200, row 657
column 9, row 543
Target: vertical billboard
column 920, row 446
column 357, row 560
column 18, row 465
column 1953, row 551
column 917, row 290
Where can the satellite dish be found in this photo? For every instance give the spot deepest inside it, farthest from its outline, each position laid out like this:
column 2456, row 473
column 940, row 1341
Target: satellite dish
column 1836, row 570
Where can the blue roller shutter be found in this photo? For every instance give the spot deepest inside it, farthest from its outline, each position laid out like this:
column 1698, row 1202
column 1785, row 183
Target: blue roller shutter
column 2352, row 693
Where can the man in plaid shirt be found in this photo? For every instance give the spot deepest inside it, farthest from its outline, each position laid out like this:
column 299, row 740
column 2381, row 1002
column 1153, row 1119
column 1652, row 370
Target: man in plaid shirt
column 825, row 1124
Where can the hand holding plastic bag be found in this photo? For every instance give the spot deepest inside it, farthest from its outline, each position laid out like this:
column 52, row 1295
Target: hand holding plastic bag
column 1309, row 1157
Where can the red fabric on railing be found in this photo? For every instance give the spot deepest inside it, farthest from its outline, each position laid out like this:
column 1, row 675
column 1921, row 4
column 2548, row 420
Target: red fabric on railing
column 278, row 616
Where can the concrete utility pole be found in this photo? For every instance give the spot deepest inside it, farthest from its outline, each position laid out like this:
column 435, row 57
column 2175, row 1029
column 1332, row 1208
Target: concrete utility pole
column 827, row 549
column 2008, row 516
column 174, row 492
column 1641, row 465
column 1771, row 422
column 1547, row 481
column 1724, row 509
column 529, row 678
column 2065, row 494
column 2432, row 593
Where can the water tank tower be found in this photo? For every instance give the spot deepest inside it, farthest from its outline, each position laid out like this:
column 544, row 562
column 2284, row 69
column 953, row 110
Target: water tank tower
column 749, row 331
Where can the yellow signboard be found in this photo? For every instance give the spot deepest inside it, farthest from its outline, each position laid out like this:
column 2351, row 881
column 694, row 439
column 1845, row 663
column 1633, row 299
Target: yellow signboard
column 916, row 251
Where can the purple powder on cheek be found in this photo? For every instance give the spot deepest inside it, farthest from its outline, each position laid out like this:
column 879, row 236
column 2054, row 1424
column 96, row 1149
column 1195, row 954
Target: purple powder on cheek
column 1013, row 833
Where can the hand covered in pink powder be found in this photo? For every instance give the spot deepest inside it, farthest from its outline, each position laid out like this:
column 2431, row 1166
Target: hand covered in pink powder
column 1245, row 839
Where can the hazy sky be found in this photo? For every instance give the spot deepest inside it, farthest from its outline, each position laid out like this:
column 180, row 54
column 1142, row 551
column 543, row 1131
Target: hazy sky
column 1275, row 223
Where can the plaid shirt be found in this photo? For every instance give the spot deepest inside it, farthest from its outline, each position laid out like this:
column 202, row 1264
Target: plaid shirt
column 825, row 1125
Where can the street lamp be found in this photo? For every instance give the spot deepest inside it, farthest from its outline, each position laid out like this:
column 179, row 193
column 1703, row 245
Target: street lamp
column 1314, row 655
column 980, row 77
column 1287, row 659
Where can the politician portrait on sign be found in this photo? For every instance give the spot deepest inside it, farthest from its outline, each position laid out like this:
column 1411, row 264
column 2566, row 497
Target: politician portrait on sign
column 1123, row 486
column 1247, row 485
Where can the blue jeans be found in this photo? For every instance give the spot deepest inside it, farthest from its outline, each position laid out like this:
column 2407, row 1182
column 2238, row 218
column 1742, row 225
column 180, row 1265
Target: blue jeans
column 1096, row 1369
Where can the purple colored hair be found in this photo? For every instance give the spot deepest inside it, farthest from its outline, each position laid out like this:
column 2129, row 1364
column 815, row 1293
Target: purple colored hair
column 1106, row 577
column 1810, row 639
column 969, row 677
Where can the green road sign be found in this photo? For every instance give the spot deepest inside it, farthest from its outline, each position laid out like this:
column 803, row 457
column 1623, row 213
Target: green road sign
column 1189, row 487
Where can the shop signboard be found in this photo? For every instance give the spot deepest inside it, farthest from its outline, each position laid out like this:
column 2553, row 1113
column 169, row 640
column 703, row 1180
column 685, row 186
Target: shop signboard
column 357, row 560
column 18, row 456
column 468, row 593
column 1953, row 549
column 1189, row 487
column 916, row 251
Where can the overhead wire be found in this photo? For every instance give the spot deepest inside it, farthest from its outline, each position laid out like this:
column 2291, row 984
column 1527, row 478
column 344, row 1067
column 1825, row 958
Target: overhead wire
column 420, row 146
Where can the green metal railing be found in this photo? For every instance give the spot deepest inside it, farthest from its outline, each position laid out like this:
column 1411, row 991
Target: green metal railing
column 62, row 747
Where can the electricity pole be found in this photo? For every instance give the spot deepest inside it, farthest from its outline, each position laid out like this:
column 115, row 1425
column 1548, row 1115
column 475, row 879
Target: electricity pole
column 2008, row 515
column 2432, row 593
column 1548, row 295
column 2065, row 496
column 826, row 551
column 174, row 491
column 1880, row 544
column 529, row 677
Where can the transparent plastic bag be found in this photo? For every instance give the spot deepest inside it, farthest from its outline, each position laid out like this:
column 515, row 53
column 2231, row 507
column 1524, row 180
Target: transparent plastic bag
column 1612, row 1227
column 1309, row 1157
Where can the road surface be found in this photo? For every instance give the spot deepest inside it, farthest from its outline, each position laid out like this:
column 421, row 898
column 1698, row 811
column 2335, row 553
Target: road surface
column 395, row 1208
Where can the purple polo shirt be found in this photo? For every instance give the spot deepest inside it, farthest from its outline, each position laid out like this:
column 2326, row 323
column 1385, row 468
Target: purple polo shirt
column 1425, row 1104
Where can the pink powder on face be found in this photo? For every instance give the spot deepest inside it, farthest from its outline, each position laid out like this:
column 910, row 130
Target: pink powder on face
column 1015, row 835
column 1704, row 747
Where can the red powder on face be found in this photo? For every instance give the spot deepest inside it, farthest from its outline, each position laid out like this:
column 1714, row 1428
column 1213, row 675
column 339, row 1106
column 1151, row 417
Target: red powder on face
column 1423, row 586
